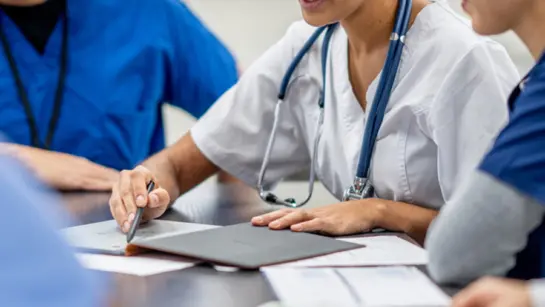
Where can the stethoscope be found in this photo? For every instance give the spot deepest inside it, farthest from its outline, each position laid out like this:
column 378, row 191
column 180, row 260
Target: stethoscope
column 361, row 187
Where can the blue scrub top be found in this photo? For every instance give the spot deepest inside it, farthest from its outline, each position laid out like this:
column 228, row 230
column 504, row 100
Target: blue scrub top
column 125, row 60
column 37, row 267
column 518, row 158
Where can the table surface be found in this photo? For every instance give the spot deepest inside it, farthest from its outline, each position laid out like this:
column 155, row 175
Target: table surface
column 210, row 203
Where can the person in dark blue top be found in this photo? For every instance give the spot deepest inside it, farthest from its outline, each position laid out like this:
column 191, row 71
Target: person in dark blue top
column 495, row 223
column 82, row 82
column 37, row 267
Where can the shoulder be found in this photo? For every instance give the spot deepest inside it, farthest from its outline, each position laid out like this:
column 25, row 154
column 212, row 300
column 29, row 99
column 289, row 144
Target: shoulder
column 518, row 155
column 441, row 35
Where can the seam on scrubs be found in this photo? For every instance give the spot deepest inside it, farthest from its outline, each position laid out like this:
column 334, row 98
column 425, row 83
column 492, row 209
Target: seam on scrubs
column 402, row 155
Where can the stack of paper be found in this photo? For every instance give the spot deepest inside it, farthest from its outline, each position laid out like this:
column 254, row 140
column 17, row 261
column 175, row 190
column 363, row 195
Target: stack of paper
column 378, row 251
column 355, row 287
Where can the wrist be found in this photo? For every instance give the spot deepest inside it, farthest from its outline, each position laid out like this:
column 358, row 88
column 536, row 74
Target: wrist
column 379, row 212
column 387, row 216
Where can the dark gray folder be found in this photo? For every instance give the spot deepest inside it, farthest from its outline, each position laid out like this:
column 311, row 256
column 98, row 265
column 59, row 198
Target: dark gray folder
column 246, row 246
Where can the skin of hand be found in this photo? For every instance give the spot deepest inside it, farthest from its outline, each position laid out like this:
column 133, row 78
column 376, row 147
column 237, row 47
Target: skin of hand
column 131, row 192
column 339, row 219
column 64, row 171
column 494, row 292
column 353, row 217
column 174, row 170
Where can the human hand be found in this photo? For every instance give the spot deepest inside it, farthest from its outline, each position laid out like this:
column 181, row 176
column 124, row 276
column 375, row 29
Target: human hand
column 64, row 171
column 131, row 192
column 339, row 219
column 494, row 292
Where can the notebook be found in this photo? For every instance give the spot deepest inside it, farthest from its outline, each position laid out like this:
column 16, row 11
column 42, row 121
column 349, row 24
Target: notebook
column 246, row 246
column 242, row 245
column 107, row 238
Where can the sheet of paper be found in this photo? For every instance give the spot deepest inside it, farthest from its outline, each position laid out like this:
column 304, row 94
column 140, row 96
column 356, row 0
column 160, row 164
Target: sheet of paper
column 393, row 286
column 106, row 237
column 149, row 264
column 309, row 287
column 378, row 251
column 362, row 287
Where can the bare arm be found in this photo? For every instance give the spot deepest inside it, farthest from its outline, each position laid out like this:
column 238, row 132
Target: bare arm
column 410, row 219
column 63, row 171
column 180, row 167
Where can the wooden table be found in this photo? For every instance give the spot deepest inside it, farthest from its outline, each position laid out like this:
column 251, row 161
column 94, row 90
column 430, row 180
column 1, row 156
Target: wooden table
column 199, row 286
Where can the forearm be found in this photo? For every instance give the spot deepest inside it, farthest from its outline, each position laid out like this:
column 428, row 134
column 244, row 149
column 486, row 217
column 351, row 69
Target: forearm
column 480, row 231
column 410, row 219
column 180, row 167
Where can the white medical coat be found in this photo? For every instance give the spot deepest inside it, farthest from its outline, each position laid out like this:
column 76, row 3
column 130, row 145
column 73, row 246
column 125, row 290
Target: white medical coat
column 447, row 105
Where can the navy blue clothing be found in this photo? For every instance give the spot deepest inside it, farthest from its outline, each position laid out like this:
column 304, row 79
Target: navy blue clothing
column 518, row 159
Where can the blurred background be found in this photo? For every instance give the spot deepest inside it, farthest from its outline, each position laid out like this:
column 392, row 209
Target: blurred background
column 249, row 27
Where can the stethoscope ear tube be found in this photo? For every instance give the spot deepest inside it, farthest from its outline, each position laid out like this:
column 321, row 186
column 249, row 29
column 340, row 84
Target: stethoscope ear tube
column 268, row 196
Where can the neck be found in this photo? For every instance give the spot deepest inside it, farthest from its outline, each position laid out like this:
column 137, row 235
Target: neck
column 531, row 29
column 370, row 26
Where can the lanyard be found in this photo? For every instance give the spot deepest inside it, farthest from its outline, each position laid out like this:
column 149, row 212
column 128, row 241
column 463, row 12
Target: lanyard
column 31, row 120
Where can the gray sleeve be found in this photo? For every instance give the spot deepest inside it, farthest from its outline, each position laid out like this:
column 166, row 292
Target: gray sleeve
column 480, row 230
column 537, row 292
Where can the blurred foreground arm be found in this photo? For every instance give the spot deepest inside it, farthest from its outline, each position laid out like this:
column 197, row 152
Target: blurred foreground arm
column 38, row 269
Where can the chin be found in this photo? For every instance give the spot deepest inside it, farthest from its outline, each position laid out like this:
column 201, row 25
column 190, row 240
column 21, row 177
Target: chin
column 316, row 20
column 483, row 28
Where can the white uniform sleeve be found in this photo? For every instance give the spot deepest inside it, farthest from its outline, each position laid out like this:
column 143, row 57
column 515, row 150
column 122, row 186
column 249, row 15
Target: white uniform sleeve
column 469, row 111
column 233, row 134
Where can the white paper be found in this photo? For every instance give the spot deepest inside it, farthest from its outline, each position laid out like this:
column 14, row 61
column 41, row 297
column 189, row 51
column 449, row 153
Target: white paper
column 106, row 237
column 362, row 287
column 309, row 287
column 378, row 251
column 149, row 264
column 393, row 286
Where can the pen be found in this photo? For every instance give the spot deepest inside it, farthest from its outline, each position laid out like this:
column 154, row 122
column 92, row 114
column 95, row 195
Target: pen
column 138, row 216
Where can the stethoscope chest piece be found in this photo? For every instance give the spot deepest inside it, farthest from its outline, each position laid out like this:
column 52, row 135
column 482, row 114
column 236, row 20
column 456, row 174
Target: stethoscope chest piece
column 360, row 189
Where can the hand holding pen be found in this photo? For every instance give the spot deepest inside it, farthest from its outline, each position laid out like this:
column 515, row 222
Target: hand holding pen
column 133, row 191
column 138, row 217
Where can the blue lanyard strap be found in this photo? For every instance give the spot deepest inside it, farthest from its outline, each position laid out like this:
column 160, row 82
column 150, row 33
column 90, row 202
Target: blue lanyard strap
column 384, row 90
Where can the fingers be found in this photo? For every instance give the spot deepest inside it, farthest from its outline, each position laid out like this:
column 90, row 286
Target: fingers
column 472, row 296
column 266, row 219
column 126, row 193
column 159, row 198
column 118, row 211
column 292, row 218
column 140, row 177
column 313, row 225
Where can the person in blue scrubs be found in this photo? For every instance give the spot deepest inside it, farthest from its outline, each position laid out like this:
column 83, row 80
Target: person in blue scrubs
column 495, row 223
column 37, row 268
column 82, row 82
